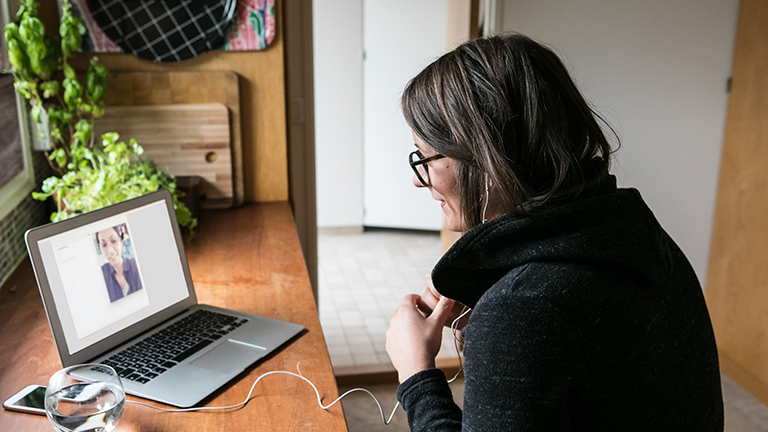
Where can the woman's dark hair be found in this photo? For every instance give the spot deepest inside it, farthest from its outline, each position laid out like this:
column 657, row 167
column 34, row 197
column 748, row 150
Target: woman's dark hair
column 117, row 230
column 506, row 109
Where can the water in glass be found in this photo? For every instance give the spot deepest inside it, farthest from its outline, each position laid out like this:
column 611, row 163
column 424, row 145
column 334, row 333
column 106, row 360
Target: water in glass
column 78, row 404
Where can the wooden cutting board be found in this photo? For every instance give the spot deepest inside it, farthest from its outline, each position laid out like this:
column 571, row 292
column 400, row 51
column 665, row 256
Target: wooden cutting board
column 186, row 139
column 185, row 87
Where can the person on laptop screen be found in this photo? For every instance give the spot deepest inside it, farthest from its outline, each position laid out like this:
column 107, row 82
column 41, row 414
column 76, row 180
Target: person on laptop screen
column 120, row 272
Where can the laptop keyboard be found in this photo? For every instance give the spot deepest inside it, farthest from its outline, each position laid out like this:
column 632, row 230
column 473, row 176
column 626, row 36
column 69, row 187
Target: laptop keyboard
column 165, row 349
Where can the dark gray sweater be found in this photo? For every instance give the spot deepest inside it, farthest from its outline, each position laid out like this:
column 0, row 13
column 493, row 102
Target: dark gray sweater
column 586, row 317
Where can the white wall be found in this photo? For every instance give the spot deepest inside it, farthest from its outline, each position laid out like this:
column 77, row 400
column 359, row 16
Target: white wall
column 338, row 48
column 656, row 70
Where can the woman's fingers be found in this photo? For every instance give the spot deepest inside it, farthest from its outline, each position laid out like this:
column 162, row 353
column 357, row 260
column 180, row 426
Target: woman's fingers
column 413, row 339
column 429, row 297
column 443, row 312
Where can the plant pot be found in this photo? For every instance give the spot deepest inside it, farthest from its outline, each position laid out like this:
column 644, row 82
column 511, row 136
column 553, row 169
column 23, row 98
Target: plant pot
column 189, row 186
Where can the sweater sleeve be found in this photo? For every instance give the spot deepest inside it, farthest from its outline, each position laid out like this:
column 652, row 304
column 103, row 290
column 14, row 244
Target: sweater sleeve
column 428, row 401
column 522, row 370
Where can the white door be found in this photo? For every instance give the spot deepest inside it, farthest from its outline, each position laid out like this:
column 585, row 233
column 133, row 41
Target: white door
column 400, row 37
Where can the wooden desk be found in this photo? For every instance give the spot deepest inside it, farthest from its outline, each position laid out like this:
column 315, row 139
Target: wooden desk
column 247, row 259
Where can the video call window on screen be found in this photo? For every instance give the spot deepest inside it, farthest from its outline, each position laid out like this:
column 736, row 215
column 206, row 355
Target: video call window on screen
column 119, row 269
column 110, row 274
column 101, row 275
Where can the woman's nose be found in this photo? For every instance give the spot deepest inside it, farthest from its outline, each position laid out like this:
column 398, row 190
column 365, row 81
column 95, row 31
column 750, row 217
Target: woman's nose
column 417, row 182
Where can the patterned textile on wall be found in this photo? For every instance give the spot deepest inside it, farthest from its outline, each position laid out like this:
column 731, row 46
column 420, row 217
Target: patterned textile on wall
column 163, row 31
column 252, row 28
column 255, row 26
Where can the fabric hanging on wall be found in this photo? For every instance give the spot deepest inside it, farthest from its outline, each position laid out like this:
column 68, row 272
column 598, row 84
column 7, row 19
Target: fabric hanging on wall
column 255, row 26
column 162, row 31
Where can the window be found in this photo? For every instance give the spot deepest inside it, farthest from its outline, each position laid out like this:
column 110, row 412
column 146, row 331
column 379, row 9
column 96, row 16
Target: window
column 11, row 154
column 16, row 174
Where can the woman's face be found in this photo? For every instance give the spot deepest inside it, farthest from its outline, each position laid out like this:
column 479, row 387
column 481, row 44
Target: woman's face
column 443, row 179
column 111, row 246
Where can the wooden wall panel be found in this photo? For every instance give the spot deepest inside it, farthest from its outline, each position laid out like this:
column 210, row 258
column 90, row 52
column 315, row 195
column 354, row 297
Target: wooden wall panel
column 262, row 103
column 188, row 139
column 737, row 283
column 301, row 127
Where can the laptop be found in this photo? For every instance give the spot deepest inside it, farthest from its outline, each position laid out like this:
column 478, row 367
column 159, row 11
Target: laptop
column 117, row 290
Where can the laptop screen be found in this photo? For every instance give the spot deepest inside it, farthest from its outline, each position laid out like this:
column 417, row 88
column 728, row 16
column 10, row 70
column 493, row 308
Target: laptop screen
column 112, row 273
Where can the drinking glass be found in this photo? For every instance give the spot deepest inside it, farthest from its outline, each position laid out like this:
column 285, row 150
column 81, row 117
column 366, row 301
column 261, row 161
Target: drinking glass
column 87, row 397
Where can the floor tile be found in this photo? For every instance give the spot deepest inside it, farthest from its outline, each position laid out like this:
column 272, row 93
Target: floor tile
column 363, row 278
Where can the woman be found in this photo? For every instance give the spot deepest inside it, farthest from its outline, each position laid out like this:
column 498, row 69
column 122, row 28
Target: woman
column 585, row 314
column 120, row 273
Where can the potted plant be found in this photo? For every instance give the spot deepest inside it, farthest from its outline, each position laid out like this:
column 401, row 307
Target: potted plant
column 90, row 172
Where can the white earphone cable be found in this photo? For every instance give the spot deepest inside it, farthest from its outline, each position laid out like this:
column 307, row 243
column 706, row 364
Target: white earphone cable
column 485, row 206
column 386, row 421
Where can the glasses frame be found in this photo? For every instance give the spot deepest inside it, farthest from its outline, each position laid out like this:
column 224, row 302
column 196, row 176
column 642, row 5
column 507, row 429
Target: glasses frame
column 422, row 161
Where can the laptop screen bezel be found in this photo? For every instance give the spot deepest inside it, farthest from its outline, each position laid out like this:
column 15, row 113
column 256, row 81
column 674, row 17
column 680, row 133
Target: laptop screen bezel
column 35, row 235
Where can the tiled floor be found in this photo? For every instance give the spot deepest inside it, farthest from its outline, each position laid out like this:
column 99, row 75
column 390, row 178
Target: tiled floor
column 363, row 277
column 743, row 412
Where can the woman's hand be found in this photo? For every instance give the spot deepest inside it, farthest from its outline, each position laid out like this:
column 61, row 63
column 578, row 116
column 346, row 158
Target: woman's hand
column 414, row 335
column 429, row 300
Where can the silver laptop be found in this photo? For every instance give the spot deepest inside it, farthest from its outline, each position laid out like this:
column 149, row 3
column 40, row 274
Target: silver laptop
column 117, row 290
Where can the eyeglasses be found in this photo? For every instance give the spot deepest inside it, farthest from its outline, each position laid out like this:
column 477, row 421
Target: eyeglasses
column 419, row 164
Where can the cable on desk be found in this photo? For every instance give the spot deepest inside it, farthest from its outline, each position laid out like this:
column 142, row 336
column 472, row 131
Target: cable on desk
column 317, row 392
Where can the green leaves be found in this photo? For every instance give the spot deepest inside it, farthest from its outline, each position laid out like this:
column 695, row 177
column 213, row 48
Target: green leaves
column 32, row 32
column 97, row 81
column 32, row 54
column 17, row 54
column 50, row 89
column 26, row 7
column 35, row 58
column 36, row 111
column 82, row 135
column 58, row 119
column 111, row 172
column 93, row 173
column 50, row 62
column 73, row 93
column 59, row 156
column 71, row 31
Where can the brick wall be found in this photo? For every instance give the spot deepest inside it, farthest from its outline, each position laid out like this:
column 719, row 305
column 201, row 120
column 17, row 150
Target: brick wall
column 27, row 214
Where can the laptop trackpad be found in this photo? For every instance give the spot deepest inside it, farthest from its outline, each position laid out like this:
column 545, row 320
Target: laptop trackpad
column 229, row 357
